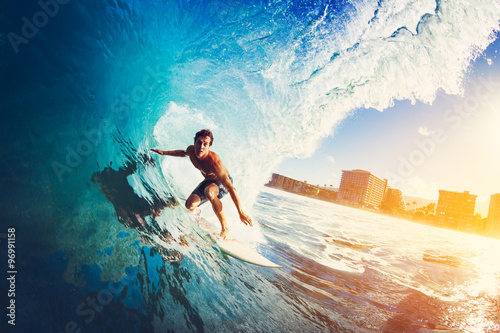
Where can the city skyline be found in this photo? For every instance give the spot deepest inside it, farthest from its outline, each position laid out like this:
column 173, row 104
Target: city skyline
column 361, row 189
column 420, row 148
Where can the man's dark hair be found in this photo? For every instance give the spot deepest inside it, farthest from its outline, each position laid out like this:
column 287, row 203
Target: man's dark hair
column 202, row 133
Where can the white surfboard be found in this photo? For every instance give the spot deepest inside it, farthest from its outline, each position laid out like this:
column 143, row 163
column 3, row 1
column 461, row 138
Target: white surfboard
column 234, row 247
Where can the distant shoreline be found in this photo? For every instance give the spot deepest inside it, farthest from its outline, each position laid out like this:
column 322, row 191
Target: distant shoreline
column 410, row 216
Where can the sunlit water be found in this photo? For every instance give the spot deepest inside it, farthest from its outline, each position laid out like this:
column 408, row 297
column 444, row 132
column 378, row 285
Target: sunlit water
column 380, row 273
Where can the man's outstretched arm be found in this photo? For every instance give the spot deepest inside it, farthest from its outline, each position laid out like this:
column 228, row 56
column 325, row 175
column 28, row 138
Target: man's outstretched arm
column 224, row 179
column 178, row 153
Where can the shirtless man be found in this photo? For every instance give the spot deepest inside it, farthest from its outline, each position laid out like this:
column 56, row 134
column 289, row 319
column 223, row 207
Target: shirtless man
column 217, row 181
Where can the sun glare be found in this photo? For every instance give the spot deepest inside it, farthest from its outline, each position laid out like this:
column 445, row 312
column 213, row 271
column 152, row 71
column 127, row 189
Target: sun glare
column 487, row 267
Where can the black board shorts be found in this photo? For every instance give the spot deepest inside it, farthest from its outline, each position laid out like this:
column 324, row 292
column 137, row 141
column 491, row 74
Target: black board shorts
column 200, row 189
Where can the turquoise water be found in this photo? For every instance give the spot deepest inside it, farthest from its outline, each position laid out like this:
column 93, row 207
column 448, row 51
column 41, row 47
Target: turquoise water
column 103, row 243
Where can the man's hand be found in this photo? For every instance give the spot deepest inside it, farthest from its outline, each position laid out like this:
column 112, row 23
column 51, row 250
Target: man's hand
column 246, row 219
column 157, row 151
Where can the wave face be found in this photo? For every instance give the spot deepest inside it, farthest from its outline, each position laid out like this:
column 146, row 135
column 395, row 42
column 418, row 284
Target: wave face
column 87, row 89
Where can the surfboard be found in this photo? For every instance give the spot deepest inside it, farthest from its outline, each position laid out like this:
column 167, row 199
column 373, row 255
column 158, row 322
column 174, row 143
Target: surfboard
column 234, row 247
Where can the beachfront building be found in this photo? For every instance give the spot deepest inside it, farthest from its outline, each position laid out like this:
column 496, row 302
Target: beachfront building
column 292, row 185
column 456, row 210
column 284, row 183
column 493, row 221
column 361, row 188
column 393, row 200
column 276, row 181
column 328, row 193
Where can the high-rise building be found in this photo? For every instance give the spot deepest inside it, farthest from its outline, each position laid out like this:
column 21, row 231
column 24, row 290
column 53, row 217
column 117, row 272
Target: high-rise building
column 393, row 199
column 284, row 183
column 292, row 185
column 361, row 188
column 493, row 222
column 456, row 209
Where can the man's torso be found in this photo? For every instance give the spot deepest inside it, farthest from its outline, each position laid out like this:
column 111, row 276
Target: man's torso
column 207, row 165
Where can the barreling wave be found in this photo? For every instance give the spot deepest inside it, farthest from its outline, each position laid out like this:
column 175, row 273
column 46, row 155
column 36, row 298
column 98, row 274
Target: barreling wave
column 272, row 80
column 269, row 78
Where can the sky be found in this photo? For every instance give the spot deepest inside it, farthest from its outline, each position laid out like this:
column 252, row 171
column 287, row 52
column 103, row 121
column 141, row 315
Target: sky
column 453, row 144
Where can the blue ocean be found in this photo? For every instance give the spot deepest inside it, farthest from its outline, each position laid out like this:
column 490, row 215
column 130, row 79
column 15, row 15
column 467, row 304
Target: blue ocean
column 94, row 234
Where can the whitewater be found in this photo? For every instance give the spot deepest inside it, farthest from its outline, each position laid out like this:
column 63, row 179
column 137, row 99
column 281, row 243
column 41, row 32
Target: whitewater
column 103, row 241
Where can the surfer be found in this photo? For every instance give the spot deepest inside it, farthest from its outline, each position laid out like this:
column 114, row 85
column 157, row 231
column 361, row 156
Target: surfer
column 217, row 180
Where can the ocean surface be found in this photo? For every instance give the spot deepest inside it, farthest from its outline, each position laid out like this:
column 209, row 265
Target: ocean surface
column 101, row 240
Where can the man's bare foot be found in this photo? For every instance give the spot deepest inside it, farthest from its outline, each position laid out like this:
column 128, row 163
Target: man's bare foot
column 224, row 234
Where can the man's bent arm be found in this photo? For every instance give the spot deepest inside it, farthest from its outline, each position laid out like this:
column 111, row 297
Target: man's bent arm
column 178, row 153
